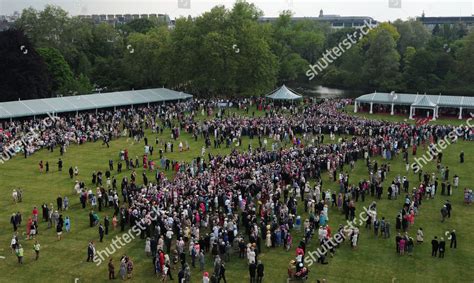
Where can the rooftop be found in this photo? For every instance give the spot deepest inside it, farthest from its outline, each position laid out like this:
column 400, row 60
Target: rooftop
column 419, row 100
column 26, row 108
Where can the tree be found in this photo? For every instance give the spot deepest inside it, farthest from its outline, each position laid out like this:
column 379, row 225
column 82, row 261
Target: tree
column 465, row 58
column 46, row 28
column 412, row 33
column 419, row 74
column 382, row 62
column 23, row 73
column 61, row 74
column 139, row 25
column 145, row 66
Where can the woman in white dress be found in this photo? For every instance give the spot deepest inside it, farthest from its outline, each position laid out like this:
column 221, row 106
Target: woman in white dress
column 147, row 247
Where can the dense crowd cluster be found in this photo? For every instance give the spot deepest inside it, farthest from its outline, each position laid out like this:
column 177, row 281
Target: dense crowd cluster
column 241, row 202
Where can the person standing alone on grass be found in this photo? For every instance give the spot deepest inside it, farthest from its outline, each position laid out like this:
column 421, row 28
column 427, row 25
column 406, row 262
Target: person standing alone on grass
column 90, row 251
column 106, row 224
column 444, row 213
column 60, row 165
column 19, row 253
column 419, row 236
column 101, row 232
column 36, row 247
column 454, row 241
column 448, row 208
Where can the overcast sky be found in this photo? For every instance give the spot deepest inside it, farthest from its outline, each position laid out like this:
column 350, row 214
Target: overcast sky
column 378, row 9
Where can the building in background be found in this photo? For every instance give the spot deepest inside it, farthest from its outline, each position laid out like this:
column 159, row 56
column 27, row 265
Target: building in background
column 432, row 22
column 120, row 19
column 7, row 21
column 335, row 21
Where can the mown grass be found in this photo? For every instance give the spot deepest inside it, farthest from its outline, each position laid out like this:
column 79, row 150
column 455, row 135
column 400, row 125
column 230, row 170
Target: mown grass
column 375, row 260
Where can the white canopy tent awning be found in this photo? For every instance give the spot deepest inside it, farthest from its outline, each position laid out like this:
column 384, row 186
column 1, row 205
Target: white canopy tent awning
column 284, row 93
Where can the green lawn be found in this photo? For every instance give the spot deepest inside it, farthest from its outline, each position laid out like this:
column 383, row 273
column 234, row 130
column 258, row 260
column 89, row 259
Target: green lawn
column 374, row 260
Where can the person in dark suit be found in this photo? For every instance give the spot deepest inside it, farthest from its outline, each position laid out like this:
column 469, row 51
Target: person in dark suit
column 13, row 222
column 442, row 248
column 222, row 273
column 59, row 202
column 252, row 272
column 106, row 224
column 449, row 208
column 101, row 232
column 434, row 246
column 260, row 272
column 90, row 251
column 461, row 157
column 454, row 241
column 60, row 165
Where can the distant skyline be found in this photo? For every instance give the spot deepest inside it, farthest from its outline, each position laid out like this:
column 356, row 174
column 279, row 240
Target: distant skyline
column 377, row 9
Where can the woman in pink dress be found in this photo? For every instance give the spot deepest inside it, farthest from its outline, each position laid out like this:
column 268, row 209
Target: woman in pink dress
column 402, row 246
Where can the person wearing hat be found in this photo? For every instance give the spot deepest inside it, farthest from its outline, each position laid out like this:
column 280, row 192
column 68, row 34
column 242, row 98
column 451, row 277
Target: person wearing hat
column 442, row 247
column 205, row 277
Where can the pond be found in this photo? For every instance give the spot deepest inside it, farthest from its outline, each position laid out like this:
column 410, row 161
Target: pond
column 320, row 91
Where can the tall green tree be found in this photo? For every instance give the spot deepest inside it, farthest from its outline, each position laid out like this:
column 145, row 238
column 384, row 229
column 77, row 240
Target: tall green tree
column 23, row 72
column 382, row 62
column 59, row 70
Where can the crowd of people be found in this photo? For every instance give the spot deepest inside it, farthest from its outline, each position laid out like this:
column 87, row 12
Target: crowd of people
column 244, row 202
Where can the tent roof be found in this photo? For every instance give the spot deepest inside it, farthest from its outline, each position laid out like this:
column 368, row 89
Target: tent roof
column 25, row 108
column 284, row 93
column 418, row 100
column 424, row 101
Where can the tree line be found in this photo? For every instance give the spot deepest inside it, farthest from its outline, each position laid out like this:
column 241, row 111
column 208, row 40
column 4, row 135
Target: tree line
column 225, row 52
